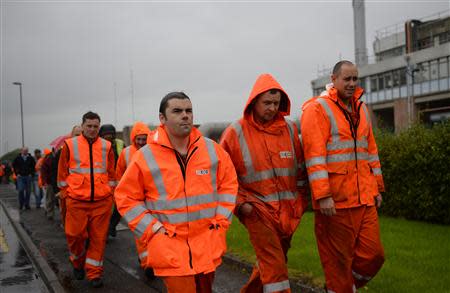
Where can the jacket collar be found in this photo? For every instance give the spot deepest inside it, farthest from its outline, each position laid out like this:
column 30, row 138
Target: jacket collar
column 162, row 138
column 333, row 94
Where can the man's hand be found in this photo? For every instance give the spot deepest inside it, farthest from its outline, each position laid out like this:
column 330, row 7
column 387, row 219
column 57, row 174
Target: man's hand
column 378, row 200
column 246, row 209
column 327, row 206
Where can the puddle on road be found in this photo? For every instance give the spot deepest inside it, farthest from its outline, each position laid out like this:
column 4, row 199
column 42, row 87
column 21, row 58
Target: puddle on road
column 17, row 273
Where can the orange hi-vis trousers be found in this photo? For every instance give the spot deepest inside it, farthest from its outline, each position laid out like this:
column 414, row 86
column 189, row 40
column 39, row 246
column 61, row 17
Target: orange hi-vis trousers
column 87, row 221
column 200, row 283
column 349, row 247
column 270, row 274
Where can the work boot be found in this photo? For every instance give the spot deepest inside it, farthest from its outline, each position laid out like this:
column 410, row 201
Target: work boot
column 96, row 283
column 78, row 273
column 112, row 231
column 149, row 273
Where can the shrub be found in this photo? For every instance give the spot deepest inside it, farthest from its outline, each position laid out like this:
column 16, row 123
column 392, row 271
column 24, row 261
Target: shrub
column 416, row 171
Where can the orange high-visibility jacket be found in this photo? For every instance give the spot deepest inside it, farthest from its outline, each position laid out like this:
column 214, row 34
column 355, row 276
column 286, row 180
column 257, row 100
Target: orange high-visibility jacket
column 269, row 161
column 127, row 153
column 194, row 202
column 340, row 162
column 82, row 164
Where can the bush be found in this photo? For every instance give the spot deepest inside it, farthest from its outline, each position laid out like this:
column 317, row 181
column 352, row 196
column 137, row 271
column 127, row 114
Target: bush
column 416, row 171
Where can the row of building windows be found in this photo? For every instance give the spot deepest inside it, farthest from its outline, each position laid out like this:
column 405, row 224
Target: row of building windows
column 427, row 77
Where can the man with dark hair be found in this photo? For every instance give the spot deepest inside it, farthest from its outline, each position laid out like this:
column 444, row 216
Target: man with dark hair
column 23, row 166
column 266, row 152
column 177, row 195
column 86, row 178
column 345, row 178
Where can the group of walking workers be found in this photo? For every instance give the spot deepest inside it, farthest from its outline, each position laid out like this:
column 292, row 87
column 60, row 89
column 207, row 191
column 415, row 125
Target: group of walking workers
column 178, row 190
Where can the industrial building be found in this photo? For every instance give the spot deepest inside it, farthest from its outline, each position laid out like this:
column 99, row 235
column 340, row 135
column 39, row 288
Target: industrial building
column 408, row 78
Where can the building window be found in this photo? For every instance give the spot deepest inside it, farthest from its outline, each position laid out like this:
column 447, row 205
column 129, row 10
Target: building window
column 443, row 67
column 434, row 70
column 388, row 80
column 380, row 82
column 373, row 83
column 402, row 72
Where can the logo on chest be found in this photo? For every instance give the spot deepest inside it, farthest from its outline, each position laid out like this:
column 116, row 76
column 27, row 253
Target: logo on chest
column 285, row 154
column 202, row 172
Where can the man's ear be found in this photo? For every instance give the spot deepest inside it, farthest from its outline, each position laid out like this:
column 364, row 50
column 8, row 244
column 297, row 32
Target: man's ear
column 162, row 118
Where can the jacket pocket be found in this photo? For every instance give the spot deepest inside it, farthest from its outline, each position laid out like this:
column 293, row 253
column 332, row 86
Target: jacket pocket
column 161, row 251
column 338, row 177
column 218, row 241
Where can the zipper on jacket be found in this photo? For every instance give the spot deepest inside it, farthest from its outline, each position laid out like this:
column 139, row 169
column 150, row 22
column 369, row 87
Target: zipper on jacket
column 91, row 165
column 354, row 132
column 183, row 166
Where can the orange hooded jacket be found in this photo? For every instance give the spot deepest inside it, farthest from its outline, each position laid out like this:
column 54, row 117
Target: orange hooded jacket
column 127, row 153
column 192, row 201
column 341, row 162
column 268, row 161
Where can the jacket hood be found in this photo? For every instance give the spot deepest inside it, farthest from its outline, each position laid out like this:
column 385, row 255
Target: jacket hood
column 138, row 129
column 264, row 83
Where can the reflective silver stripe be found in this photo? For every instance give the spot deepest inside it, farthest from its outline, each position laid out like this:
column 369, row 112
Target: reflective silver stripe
column 143, row 255
column 155, row 170
column 86, row 170
column 373, row 158
column 376, row 171
column 361, row 277
column 162, row 205
column 94, row 262
column 104, row 153
column 354, row 288
column 275, row 287
column 301, row 183
column 333, row 123
column 291, row 133
column 142, row 225
column 315, row 161
column 335, row 158
column 134, row 213
column 76, row 152
column 186, row 217
column 330, row 291
column 347, row 144
column 282, row 195
column 62, row 183
column 224, row 212
column 127, row 155
column 322, row 174
column 229, row 198
column 214, row 162
column 367, row 114
column 156, row 227
column 268, row 174
column 112, row 183
column 244, row 147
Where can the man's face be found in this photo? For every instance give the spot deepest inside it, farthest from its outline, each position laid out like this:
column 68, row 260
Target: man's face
column 24, row 151
column 140, row 140
column 178, row 118
column 37, row 154
column 90, row 128
column 266, row 106
column 345, row 81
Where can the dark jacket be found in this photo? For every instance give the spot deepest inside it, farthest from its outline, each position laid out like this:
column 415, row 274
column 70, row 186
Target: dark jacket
column 24, row 167
column 49, row 170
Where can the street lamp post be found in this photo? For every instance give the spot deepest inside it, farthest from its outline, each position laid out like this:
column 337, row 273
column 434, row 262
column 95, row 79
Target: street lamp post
column 21, row 110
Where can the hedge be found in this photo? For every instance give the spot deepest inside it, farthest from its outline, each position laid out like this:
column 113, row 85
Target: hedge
column 416, row 171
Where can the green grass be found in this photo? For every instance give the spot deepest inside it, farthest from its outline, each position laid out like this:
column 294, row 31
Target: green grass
column 417, row 255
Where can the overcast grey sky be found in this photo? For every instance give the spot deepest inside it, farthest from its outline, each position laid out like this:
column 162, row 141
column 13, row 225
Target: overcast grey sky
column 69, row 54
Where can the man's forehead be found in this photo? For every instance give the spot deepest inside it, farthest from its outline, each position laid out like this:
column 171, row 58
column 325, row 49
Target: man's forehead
column 349, row 70
column 179, row 104
column 92, row 121
column 270, row 96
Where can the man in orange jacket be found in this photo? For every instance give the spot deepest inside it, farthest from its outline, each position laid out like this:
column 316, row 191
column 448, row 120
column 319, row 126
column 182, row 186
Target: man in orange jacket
column 86, row 178
column 178, row 195
column 345, row 178
column 138, row 137
column 266, row 152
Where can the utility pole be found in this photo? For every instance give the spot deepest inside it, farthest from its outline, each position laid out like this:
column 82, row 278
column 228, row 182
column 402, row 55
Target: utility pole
column 132, row 96
column 115, row 104
column 21, row 110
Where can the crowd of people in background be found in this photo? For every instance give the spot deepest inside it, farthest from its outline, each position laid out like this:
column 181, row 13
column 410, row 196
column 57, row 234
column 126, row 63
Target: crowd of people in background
column 177, row 190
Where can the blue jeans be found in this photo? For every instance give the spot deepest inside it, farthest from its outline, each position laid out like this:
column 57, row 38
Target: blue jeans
column 38, row 193
column 24, row 187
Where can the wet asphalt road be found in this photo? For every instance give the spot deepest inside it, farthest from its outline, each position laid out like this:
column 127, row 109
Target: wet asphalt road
column 122, row 272
column 17, row 273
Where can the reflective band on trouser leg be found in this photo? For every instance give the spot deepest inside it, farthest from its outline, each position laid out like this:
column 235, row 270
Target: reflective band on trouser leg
column 62, row 184
column 275, row 287
column 143, row 255
column 376, row 171
column 93, row 262
column 360, row 277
